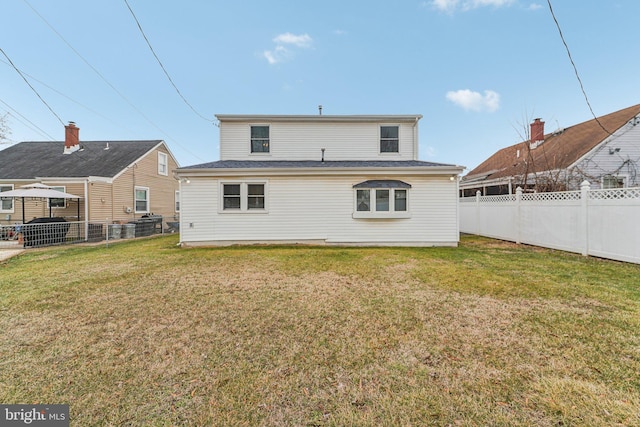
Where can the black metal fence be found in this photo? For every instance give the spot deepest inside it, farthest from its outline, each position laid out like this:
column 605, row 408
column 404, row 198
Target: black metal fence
column 41, row 232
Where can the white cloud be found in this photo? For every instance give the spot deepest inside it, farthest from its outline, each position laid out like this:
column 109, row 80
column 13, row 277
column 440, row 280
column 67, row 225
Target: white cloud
column 281, row 52
column 445, row 5
column 278, row 54
column 475, row 101
column 451, row 5
column 431, row 152
column 534, row 6
column 303, row 40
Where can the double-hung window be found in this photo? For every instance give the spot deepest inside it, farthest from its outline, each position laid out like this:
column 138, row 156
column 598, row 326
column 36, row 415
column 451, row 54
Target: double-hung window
column 389, row 139
column 142, row 199
column 244, row 197
column 57, row 203
column 6, row 205
column 381, row 199
column 163, row 164
column 610, row 181
column 259, row 139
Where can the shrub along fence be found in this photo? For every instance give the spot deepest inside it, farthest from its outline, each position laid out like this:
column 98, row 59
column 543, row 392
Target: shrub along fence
column 602, row 223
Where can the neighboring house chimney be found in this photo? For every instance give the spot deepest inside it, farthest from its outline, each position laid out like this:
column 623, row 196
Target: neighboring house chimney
column 71, row 138
column 537, row 133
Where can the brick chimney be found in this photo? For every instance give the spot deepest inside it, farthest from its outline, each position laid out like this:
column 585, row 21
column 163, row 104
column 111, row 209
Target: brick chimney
column 71, row 138
column 537, row 132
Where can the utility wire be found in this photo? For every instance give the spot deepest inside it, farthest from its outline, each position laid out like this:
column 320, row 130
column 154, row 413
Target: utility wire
column 162, row 66
column 32, row 88
column 73, row 100
column 109, row 83
column 575, row 69
column 42, row 132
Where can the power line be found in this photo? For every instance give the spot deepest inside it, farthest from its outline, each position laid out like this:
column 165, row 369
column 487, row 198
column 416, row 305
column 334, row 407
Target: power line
column 162, row 66
column 32, row 88
column 575, row 69
column 42, row 132
column 104, row 79
column 73, row 100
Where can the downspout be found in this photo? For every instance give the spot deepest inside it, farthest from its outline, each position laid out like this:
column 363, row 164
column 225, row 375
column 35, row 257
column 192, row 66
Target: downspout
column 416, row 146
column 133, row 171
column 86, row 210
column 180, row 213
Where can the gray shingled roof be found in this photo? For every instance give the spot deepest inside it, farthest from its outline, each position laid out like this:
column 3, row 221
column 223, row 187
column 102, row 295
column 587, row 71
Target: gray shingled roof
column 28, row 160
column 295, row 164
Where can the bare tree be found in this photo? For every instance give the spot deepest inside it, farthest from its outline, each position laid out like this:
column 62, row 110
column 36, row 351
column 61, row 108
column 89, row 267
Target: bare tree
column 5, row 131
column 539, row 172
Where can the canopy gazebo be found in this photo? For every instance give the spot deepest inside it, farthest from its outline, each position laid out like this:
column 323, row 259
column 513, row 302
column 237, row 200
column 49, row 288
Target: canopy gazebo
column 38, row 191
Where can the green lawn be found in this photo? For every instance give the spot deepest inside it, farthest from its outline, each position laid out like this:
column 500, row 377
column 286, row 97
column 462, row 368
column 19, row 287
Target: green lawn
column 489, row 333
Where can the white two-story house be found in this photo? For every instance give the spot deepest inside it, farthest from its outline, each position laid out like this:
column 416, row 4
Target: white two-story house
column 344, row 180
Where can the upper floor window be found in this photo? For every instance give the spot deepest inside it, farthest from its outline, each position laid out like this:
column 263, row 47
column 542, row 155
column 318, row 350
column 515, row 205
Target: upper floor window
column 142, row 199
column 163, row 164
column 259, row 139
column 382, row 199
column 58, row 203
column 6, row 205
column 244, row 196
column 389, row 140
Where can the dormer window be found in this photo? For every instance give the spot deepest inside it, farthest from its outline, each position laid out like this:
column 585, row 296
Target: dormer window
column 259, row 139
column 389, row 141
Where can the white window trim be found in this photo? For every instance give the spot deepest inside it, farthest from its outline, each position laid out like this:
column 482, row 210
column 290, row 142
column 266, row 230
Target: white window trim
column 244, row 197
column 13, row 205
column 373, row 214
column 388, row 153
column 135, row 200
column 64, row 201
column 260, row 153
column 625, row 180
column 162, row 155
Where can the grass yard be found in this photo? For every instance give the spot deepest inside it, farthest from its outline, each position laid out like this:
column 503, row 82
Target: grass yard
column 490, row 333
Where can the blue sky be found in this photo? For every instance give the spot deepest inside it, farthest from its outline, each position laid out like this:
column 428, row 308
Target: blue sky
column 477, row 70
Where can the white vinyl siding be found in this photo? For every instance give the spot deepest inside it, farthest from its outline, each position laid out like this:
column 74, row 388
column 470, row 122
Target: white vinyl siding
column 326, row 216
column 613, row 159
column 304, row 141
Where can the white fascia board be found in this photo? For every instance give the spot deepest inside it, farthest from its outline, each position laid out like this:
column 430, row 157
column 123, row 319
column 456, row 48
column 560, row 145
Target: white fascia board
column 75, row 180
column 432, row 170
column 409, row 118
column 485, row 182
column 598, row 147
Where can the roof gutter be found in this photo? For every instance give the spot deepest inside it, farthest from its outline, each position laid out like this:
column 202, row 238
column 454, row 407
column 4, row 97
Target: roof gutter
column 430, row 170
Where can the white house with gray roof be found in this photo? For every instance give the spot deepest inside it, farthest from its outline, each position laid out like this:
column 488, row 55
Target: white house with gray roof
column 344, row 180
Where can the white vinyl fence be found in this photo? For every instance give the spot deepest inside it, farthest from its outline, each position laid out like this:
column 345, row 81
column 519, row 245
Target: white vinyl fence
column 602, row 223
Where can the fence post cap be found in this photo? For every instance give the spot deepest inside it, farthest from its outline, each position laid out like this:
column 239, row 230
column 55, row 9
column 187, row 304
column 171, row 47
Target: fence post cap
column 585, row 184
